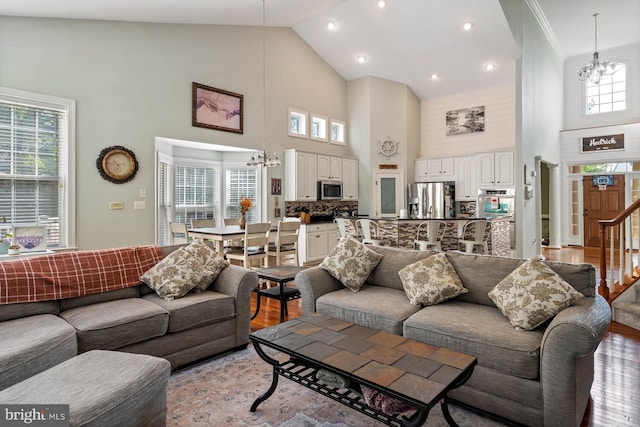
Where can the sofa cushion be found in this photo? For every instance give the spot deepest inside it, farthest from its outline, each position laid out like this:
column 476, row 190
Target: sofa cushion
column 431, row 281
column 196, row 309
column 532, row 294
column 351, row 262
column 480, row 273
column 114, row 324
column 32, row 344
column 23, row 309
column 481, row 331
column 393, row 260
column 69, row 303
column 373, row 306
column 178, row 273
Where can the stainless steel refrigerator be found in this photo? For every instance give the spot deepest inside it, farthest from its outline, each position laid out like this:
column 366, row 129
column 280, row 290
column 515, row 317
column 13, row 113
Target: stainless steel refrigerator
column 432, row 200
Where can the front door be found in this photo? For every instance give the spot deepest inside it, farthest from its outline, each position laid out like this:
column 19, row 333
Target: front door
column 601, row 204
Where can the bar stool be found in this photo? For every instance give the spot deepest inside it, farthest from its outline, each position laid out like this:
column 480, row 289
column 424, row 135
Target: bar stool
column 365, row 227
column 475, row 233
column 434, row 233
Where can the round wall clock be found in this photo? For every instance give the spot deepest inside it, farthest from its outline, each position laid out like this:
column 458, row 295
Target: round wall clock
column 117, row 164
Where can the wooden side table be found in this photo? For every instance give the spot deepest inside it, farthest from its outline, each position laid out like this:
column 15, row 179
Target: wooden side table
column 280, row 274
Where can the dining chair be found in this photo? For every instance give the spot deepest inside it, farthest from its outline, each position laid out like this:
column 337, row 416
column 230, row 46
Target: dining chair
column 200, row 223
column 231, row 243
column 179, row 233
column 230, row 221
column 429, row 235
column 475, row 233
column 370, row 232
column 255, row 245
column 285, row 248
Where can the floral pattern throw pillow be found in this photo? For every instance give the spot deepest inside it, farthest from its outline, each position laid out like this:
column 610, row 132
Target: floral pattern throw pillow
column 351, row 262
column 212, row 263
column 532, row 294
column 431, row 281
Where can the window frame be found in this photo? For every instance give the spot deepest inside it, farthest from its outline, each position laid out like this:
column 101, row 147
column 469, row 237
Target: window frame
column 66, row 160
column 606, row 82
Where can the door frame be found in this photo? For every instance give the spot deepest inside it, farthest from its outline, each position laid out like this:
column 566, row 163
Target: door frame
column 401, row 192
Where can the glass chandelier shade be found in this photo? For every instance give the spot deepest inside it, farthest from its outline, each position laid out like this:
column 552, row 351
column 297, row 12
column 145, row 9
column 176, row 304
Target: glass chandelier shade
column 264, row 157
column 596, row 70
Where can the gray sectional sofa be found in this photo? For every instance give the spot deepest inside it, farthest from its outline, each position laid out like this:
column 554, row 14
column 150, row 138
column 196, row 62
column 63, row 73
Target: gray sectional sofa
column 39, row 335
column 541, row 377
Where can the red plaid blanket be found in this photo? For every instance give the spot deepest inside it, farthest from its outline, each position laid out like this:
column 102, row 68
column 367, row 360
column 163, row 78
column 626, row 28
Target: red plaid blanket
column 72, row 274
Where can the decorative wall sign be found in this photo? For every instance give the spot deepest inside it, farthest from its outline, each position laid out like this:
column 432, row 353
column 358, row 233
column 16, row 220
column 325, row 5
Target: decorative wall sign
column 276, row 186
column 216, row 108
column 30, row 238
column 388, row 148
column 466, row 120
column 601, row 143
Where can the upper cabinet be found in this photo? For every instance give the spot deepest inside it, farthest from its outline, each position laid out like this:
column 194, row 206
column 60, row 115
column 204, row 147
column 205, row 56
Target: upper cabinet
column 329, row 168
column 466, row 178
column 300, row 176
column 434, row 169
column 495, row 169
column 349, row 179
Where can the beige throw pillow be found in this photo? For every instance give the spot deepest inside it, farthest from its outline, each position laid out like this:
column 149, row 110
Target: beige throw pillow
column 532, row 294
column 431, row 281
column 183, row 270
column 351, row 262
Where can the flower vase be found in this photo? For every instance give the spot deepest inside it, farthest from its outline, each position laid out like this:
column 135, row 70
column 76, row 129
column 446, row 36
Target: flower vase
column 243, row 221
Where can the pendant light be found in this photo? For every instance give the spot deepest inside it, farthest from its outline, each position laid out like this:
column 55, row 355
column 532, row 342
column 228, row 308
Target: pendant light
column 264, row 157
column 596, row 70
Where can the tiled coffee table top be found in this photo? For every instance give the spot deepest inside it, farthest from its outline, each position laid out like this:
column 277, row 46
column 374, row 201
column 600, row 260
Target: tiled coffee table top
column 416, row 370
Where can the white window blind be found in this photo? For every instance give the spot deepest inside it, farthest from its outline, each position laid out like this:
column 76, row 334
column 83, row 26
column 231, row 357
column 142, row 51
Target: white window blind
column 165, row 200
column 195, row 192
column 240, row 183
column 34, row 144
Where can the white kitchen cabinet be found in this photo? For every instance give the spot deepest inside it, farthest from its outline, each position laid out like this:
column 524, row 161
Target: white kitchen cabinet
column 441, row 169
column 421, row 170
column 300, row 176
column 315, row 242
column 466, row 178
column 329, row 168
column 349, row 179
column 495, row 169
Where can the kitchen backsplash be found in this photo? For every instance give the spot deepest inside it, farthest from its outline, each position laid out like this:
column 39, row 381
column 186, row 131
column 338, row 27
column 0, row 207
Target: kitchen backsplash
column 324, row 207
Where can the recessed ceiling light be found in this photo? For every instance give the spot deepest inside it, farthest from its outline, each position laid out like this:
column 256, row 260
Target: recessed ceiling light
column 331, row 25
column 434, row 77
column 382, row 4
column 467, row 26
column 361, row 59
column 490, row 66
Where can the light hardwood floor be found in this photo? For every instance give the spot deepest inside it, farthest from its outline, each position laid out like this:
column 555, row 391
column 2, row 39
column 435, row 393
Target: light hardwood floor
column 616, row 387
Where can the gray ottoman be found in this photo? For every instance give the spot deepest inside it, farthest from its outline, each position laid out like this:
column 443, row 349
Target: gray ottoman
column 102, row 388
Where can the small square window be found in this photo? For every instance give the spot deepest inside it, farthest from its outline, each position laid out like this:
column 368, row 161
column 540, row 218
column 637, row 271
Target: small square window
column 318, row 127
column 338, row 132
column 297, row 123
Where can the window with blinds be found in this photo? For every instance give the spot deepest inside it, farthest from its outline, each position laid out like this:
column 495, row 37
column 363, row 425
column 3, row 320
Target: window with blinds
column 165, row 199
column 34, row 145
column 195, row 193
column 240, row 183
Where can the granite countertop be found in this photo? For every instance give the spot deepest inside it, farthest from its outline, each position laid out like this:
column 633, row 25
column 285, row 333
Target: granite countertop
column 509, row 217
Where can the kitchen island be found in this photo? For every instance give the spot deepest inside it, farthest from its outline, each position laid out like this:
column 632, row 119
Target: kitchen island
column 402, row 232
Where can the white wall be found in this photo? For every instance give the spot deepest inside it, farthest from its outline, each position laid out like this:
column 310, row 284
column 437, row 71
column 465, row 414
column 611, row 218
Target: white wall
column 539, row 107
column 574, row 89
column 500, row 122
column 132, row 83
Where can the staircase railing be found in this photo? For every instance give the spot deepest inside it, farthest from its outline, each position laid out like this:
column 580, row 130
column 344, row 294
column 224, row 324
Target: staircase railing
column 622, row 226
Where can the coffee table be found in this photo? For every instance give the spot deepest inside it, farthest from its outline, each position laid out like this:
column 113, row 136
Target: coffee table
column 413, row 372
column 280, row 274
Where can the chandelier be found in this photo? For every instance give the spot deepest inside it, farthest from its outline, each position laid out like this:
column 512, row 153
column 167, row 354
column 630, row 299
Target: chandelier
column 264, row 157
column 596, row 70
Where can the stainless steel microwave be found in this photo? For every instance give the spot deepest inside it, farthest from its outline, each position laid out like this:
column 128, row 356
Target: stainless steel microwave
column 329, row 190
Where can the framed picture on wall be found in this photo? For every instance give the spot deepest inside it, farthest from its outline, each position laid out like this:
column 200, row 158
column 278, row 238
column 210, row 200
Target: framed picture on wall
column 276, row 186
column 214, row 108
column 466, row 120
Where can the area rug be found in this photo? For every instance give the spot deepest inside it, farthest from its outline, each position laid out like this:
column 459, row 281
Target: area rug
column 219, row 392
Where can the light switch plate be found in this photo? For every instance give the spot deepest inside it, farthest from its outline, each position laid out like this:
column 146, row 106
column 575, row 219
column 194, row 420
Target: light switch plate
column 116, row 205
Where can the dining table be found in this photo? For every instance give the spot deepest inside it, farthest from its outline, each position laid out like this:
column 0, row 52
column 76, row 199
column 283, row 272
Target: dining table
column 220, row 234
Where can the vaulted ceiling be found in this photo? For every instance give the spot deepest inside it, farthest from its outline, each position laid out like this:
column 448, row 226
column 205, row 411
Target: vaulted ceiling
column 406, row 41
